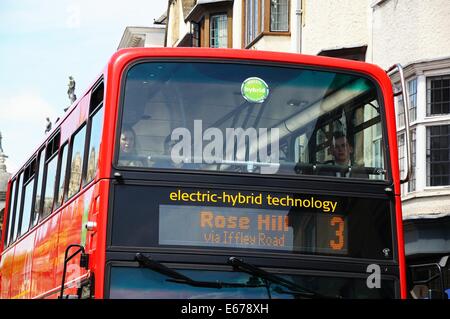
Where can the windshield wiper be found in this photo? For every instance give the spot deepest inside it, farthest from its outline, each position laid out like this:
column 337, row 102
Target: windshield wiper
column 294, row 289
column 179, row 278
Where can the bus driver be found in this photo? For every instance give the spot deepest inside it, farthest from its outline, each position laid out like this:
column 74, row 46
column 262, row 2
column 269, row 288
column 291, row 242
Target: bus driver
column 342, row 151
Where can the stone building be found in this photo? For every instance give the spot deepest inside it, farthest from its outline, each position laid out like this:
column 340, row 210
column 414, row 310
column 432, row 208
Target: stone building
column 384, row 32
column 4, row 177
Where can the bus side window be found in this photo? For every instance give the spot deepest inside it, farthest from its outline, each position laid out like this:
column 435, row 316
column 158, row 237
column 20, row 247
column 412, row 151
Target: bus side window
column 62, row 168
column 49, row 191
column 76, row 163
column 94, row 132
column 94, row 141
column 39, row 187
column 28, row 192
column 51, row 161
column 11, row 210
column 18, row 208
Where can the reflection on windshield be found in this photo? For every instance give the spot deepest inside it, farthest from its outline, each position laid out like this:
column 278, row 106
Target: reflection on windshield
column 142, row 283
column 251, row 119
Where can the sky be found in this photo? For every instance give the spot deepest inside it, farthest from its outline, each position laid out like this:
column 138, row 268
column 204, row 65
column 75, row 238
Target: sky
column 42, row 43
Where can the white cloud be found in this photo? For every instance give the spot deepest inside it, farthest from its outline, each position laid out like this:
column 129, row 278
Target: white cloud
column 22, row 123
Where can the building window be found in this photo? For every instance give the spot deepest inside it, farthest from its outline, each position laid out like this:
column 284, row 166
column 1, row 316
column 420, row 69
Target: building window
column 218, row 36
column 412, row 92
column 412, row 179
column 400, row 110
column 251, row 20
column 264, row 17
column 195, row 34
column 438, row 95
column 438, row 159
column 401, row 153
column 279, row 15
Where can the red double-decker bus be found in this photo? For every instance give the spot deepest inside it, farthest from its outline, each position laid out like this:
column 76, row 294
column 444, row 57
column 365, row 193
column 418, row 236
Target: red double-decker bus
column 209, row 173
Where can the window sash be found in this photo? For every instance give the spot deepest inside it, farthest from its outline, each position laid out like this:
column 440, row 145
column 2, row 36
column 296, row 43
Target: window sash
column 279, row 15
column 438, row 95
column 218, row 34
column 412, row 93
column 412, row 180
column 438, row 155
column 251, row 20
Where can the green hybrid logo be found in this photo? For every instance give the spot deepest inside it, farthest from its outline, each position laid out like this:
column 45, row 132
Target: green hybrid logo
column 255, row 90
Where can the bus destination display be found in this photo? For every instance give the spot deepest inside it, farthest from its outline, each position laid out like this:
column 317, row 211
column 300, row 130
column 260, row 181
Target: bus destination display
column 252, row 228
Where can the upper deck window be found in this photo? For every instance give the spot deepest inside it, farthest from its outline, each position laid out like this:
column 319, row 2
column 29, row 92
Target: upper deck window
column 252, row 119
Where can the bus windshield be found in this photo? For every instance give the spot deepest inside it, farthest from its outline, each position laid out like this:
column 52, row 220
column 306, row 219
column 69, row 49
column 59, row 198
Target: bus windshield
column 251, row 119
column 140, row 283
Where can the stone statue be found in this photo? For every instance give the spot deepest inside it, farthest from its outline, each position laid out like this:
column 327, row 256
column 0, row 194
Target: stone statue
column 3, row 158
column 71, row 90
column 48, row 127
column 1, row 148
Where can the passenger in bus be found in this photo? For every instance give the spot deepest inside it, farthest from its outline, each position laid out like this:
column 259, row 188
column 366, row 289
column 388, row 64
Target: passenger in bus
column 342, row 151
column 128, row 155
